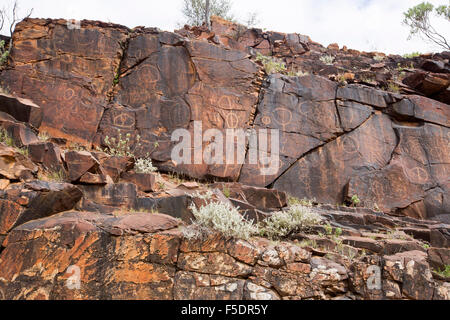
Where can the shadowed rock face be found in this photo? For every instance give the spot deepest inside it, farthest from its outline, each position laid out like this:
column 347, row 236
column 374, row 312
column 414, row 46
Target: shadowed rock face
column 336, row 140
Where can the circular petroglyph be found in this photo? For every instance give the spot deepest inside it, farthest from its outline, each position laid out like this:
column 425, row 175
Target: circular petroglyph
column 225, row 102
column 123, row 120
column 282, row 116
column 69, row 94
column 149, row 74
column 175, row 115
column 303, row 108
column 266, row 120
column 232, row 120
column 417, row 175
column 350, row 145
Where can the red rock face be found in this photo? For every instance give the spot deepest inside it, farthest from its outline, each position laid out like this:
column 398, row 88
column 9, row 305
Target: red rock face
column 70, row 75
column 336, row 140
column 144, row 256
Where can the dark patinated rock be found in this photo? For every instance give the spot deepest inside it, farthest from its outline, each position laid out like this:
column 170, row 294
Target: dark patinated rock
column 21, row 109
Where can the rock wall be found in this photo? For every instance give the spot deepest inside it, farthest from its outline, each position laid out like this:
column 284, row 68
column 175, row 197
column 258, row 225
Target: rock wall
column 144, row 256
column 392, row 150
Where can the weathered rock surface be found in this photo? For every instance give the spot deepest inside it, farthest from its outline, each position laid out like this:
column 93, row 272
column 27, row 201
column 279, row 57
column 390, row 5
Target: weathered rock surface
column 144, row 256
column 121, row 232
column 335, row 139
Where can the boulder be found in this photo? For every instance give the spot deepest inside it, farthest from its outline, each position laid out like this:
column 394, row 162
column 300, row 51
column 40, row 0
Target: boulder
column 22, row 110
column 39, row 199
column 78, row 163
column 146, row 182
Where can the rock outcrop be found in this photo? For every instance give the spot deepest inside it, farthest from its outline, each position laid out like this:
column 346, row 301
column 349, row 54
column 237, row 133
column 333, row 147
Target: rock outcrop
column 70, row 211
column 335, row 140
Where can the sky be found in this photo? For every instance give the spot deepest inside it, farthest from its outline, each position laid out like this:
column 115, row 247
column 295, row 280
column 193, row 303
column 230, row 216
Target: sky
column 365, row 25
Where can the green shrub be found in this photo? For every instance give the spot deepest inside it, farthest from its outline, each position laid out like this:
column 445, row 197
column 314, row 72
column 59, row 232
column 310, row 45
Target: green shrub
column 6, row 139
column 53, row 176
column 4, row 54
column 43, row 136
column 271, row 65
column 292, row 201
column 412, row 55
column 144, row 166
column 355, row 200
column 444, row 272
column 327, row 59
column 226, row 192
column 224, row 218
column 283, row 223
column 119, row 146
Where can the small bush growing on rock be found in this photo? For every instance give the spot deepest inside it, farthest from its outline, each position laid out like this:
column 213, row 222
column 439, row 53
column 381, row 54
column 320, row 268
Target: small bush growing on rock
column 226, row 192
column 271, row 65
column 445, row 273
column 195, row 232
column 53, row 176
column 292, row 201
column 379, row 58
column 5, row 138
column 119, row 146
column 224, row 218
column 283, row 223
column 412, row 55
column 43, row 136
column 144, row 166
column 392, row 87
column 327, row 59
column 4, row 54
column 298, row 73
column 355, row 200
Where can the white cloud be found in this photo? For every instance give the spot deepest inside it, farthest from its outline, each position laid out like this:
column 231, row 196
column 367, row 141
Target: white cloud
column 366, row 25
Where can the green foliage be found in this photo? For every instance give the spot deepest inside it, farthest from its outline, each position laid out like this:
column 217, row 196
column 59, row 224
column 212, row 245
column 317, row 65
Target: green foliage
column 116, row 79
column 226, row 192
column 392, row 87
column 161, row 185
column 283, row 223
column 271, row 65
column 445, row 273
column 144, row 166
column 327, row 59
column 328, row 229
column 195, row 10
column 53, row 176
column 4, row 54
column 6, row 138
column 411, row 55
column 298, row 73
column 223, row 218
column 355, row 200
column 23, row 151
column 293, row 201
column 418, row 20
column 120, row 146
column 43, row 136
column 9, row 141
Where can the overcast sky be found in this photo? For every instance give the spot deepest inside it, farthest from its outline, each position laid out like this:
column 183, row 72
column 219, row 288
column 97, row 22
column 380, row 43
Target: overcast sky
column 367, row 25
